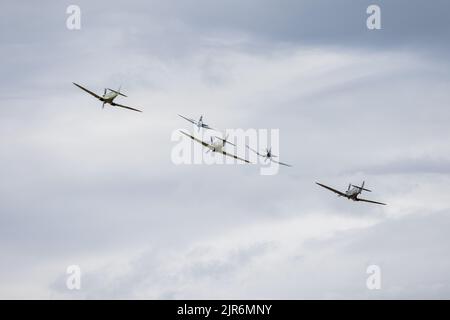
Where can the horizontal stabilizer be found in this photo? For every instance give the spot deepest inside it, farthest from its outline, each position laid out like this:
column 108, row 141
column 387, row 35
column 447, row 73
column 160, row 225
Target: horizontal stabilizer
column 361, row 188
column 121, row 94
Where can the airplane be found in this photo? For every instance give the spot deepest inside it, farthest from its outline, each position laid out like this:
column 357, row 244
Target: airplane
column 352, row 193
column 108, row 97
column 200, row 124
column 215, row 146
column 268, row 155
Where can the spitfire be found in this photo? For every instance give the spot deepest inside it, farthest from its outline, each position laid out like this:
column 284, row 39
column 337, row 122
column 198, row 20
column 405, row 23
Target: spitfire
column 269, row 156
column 215, row 146
column 352, row 192
column 199, row 124
column 108, row 97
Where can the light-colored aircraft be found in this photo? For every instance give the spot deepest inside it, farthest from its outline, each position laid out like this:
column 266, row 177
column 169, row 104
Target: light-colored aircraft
column 108, row 97
column 352, row 193
column 215, row 146
column 268, row 156
column 200, row 124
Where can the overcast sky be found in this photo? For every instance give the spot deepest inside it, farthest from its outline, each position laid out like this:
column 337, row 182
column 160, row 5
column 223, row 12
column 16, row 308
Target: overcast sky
column 97, row 188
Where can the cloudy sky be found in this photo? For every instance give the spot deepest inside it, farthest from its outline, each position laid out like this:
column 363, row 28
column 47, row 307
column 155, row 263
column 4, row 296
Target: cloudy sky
column 98, row 189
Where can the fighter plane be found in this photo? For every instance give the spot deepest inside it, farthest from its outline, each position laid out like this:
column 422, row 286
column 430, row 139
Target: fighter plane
column 108, row 97
column 215, row 146
column 268, row 155
column 352, row 193
column 200, row 124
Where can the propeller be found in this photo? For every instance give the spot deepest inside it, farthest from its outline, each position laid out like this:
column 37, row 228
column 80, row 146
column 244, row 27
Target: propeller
column 349, row 186
column 200, row 123
column 266, row 156
column 211, row 142
column 104, row 93
column 269, row 154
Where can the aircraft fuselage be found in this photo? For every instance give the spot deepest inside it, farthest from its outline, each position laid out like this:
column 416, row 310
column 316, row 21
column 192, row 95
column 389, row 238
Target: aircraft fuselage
column 109, row 97
column 353, row 194
column 217, row 147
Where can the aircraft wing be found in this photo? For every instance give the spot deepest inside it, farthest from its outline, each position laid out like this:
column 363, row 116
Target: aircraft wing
column 364, row 200
column 233, row 156
column 88, row 91
column 126, row 107
column 196, row 139
column 190, row 120
column 331, row 189
column 261, row 155
column 282, row 163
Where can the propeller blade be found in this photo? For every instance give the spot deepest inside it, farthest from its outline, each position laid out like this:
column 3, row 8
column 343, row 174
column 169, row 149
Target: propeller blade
column 225, row 140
